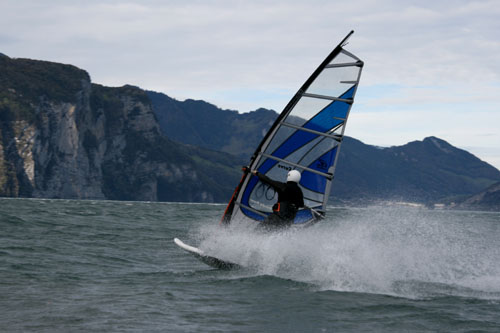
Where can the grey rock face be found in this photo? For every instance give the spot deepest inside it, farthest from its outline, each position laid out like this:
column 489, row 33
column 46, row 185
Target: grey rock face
column 63, row 137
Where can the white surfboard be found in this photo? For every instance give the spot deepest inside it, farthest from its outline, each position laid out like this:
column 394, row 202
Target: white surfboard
column 209, row 260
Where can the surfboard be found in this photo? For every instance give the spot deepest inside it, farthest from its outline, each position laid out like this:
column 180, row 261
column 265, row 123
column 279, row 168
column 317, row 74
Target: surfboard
column 206, row 259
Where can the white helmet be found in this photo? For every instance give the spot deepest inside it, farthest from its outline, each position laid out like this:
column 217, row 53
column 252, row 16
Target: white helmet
column 293, row 176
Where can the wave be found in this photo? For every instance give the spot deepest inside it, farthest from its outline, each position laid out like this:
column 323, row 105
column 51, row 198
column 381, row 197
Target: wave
column 398, row 251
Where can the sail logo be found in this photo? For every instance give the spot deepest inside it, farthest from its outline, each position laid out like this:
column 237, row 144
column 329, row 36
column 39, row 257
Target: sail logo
column 287, row 168
column 320, row 164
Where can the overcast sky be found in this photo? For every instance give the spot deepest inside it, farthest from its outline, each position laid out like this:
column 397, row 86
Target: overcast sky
column 431, row 67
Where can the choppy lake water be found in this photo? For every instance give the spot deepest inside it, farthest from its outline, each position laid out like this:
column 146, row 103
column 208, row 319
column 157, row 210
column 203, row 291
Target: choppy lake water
column 70, row 266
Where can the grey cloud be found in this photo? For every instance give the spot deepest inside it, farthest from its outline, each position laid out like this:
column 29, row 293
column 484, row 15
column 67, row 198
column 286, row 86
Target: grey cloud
column 210, row 50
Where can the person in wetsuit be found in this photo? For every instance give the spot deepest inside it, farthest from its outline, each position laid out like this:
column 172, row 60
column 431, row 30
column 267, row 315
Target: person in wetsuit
column 290, row 199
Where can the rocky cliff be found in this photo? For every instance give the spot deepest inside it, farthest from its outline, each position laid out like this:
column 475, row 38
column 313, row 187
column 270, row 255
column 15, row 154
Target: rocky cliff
column 63, row 137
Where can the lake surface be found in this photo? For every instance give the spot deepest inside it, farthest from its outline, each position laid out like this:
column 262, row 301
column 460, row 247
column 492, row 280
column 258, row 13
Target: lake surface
column 79, row 266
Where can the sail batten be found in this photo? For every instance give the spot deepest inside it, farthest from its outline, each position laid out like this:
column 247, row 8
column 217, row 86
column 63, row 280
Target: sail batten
column 303, row 167
column 328, row 97
column 348, row 64
column 252, row 209
column 306, row 136
column 334, row 136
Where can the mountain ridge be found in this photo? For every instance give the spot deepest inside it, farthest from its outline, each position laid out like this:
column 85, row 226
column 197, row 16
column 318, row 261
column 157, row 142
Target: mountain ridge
column 409, row 172
column 424, row 171
column 195, row 121
column 62, row 136
column 488, row 199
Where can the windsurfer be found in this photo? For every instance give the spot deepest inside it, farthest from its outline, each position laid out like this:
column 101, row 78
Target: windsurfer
column 290, row 199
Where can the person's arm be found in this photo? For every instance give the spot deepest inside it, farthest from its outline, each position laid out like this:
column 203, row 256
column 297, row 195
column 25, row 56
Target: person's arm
column 278, row 186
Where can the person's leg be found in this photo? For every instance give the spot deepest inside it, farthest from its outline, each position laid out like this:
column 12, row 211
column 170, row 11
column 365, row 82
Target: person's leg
column 273, row 222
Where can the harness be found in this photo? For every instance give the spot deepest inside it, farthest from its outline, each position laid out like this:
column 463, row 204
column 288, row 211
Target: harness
column 285, row 210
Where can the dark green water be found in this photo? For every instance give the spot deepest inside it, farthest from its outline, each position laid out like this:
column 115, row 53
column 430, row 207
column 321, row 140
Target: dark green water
column 80, row 266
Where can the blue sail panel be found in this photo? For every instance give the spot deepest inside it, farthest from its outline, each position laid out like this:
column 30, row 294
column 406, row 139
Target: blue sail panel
column 303, row 216
column 326, row 119
column 331, row 116
column 313, row 181
column 253, row 215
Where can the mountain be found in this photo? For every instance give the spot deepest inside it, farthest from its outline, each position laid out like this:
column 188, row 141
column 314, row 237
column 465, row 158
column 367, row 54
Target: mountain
column 63, row 137
column 205, row 125
column 423, row 171
column 488, row 199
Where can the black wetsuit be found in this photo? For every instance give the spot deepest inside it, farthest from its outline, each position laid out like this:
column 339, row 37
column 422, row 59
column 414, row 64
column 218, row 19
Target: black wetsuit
column 290, row 199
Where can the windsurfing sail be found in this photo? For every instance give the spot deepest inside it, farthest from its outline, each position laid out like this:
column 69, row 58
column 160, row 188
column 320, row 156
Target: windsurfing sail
column 307, row 137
